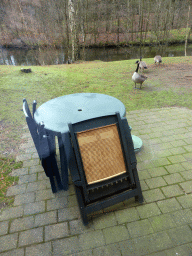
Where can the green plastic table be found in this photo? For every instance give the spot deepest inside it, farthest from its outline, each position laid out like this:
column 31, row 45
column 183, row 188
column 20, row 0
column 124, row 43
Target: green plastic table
column 57, row 113
column 73, row 108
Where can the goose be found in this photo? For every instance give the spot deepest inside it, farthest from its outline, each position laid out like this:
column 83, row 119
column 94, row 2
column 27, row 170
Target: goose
column 142, row 64
column 158, row 59
column 138, row 78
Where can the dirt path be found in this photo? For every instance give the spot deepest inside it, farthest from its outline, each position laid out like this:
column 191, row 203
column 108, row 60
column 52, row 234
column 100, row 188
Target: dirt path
column 174, row 75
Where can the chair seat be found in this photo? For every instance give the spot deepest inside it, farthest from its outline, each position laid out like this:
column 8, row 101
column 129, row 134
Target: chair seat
column 101, row 153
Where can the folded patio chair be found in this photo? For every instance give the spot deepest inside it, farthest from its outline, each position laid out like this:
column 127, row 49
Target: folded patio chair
column 45, row 148
column 103, row 163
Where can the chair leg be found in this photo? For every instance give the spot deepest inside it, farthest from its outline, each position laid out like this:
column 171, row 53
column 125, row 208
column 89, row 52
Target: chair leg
column 139, row 197
column 64, row 165
column 59, row 183
column 53, row 187
column 56, row 171
column 81, row 206
column 51, row 169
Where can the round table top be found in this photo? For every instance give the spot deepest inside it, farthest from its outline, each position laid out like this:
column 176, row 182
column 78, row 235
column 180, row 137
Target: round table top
column 73, row 108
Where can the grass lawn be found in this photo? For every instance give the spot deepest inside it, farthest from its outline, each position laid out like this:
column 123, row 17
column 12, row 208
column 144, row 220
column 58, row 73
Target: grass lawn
column 112, row 78
column 6, row 167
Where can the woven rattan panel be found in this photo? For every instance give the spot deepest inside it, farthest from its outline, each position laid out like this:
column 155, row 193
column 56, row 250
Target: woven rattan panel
column 101, row 153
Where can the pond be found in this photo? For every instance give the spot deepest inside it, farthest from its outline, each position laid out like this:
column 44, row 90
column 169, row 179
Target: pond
column 54, row 56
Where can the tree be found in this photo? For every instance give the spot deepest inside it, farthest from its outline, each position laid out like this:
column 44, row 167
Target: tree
column 188, row 30
column 72, row 26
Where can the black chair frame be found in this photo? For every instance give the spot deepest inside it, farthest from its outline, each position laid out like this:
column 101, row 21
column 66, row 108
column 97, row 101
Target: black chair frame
column 97, row 196
column 44, row 142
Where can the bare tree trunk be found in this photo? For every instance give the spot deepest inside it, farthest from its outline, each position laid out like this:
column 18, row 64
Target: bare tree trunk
column 23, row 19
column 118, row 29
column 44, row 20
column 148, row 17
column 95, row 24
column 72, row 26
column 128, row 20
column 59, row 7
column 166, row 21
column 141, row 21
column 187, row 32
column 83, row 22
column 132, row 21
column 157, row 23
column 173, row 13
column 107, row 21
column 66, row 30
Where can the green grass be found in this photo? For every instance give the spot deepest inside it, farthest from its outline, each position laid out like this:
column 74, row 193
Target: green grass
column 6, row 167
column 112, row 78
column 179, row 34
column 152, row 37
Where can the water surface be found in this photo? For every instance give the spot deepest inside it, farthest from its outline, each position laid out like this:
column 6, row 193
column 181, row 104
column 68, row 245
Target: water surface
column 57, row 56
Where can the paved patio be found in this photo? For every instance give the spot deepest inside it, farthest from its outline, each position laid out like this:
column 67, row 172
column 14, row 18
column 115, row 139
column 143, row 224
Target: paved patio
column 41, row 223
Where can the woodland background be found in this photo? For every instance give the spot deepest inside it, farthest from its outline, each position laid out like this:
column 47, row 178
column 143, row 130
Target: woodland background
column 91, row 23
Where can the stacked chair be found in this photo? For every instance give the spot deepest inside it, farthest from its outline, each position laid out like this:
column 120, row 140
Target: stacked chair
column 103, row 163
column 102, row 160
column 45, row 146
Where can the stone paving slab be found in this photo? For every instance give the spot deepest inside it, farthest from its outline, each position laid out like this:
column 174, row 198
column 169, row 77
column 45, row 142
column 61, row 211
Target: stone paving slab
column 42, row 223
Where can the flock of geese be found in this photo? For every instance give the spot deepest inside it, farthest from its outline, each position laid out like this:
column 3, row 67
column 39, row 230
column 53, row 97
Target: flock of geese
column 139, row 78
